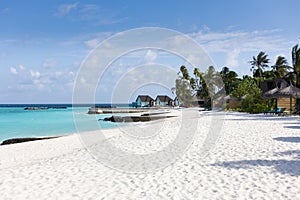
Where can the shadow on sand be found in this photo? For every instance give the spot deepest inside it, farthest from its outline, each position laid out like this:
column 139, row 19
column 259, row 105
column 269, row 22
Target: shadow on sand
column 288, row 139
column 292, row 127
column 291, row 167
column 247, row 117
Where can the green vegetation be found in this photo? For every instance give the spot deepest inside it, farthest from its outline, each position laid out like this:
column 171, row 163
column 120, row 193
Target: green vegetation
column 251, row 96
column 259, row 63
column 200, row 86
column 205, row 85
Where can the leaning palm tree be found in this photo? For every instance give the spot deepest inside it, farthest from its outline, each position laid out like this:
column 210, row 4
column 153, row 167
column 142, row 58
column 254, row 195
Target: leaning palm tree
column 259, row 63
column 280, row 68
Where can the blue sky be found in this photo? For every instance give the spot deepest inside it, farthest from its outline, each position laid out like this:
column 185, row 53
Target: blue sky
column 43, row 43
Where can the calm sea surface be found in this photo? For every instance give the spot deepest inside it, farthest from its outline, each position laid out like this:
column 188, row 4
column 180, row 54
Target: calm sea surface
column 17, row 122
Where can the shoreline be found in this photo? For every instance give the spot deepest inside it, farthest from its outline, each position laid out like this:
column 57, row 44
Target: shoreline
column 131, row 119
column 142, row 113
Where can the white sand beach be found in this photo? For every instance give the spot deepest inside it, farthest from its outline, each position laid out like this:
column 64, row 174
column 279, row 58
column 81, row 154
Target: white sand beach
column 253, row 157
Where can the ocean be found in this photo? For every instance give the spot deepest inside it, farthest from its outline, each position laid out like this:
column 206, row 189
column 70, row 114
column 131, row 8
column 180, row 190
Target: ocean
column 16, row 122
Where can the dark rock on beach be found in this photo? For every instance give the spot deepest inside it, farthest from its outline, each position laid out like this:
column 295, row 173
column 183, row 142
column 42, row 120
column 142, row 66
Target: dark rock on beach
column 19, row 140
column 154, row 113
column 134, row 118
column 114, row 119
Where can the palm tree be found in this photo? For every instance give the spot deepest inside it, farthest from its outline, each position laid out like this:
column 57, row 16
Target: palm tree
column 259, row 63
column 213, row 80
column 184, row 72
column 296, row 62
column 229, row 79
column 269, row 75
column 183, row 88
column 281, row 67
column 200, row 84
column 293, row 75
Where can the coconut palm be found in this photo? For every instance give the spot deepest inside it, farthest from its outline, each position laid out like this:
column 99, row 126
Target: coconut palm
column 184, row 72
column 229, row 78
column 183, row 86
column 259, row 63
column 280, row 68
column 200, row 84
column 213, row 80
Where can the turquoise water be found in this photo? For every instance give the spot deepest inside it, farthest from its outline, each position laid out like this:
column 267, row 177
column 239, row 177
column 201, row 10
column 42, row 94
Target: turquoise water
column 16, row 122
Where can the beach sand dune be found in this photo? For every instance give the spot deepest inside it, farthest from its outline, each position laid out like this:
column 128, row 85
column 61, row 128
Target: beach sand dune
column 253, row 157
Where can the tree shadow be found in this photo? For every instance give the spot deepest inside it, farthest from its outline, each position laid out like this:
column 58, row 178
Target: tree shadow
column 291, row 167
column 288, row 139
column 267, row 118
column 298, row 123
column 295, row 153
column 292, row 127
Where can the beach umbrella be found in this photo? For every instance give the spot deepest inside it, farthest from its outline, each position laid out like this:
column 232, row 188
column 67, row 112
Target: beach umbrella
column 270, row 94
column 288, row 92
column 244, row 97
column 228, row 97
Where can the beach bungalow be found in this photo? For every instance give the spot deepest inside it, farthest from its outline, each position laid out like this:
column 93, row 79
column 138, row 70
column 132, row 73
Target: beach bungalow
column 281, row 102
column 144, row 101
column 164, row 100
column 233, row 102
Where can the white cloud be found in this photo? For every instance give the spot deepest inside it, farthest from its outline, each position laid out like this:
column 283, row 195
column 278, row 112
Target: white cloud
column 92, row 43
column 22, row 67
column 49, row 63
column 93, row 40
column 234, row 48
column 233, row 58
column 82, row 80
column 266, row 40
column 66, row 9
column 58, row 74
column 151, row 75
column 89, row 7
column 93, row 13
column 13, row 70
column 150, row 56
column 98, row 15
column 35, row 74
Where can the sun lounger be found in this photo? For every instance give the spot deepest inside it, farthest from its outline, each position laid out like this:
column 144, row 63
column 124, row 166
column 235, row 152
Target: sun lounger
column 276, row 111
column 281, row 112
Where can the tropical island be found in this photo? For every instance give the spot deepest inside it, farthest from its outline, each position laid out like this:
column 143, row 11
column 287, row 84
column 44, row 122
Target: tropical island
column 272, row 86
